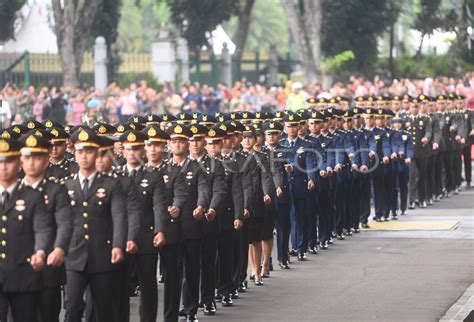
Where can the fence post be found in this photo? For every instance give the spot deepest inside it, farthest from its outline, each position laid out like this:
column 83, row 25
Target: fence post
column 226, row 74
column 183, row 56
column 163, row 57
column 198, row 66
column 272, row 66
column 213, row 69
column 257, row 66
column 26, row 69
column 288, row 62
column 100, row 63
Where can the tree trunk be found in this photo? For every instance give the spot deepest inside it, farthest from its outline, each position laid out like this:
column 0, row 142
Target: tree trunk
column 418, row 52
column 390, row 57
column 298, row 32
column 240, row 36
column 313, row 21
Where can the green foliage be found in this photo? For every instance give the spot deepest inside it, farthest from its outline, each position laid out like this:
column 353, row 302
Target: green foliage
column 334, row 63
column 194, row 19
column 426, row 66
column 139, row 24
column 268, row 25
column 349, row 25
column 8, row 9
column 126, row 79
column 428, row 17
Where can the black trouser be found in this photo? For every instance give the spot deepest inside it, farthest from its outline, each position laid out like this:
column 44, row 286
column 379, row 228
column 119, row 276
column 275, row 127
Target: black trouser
column 225, row 253
column 189, row 256
column 23, row 306
column 389, row 182
column 466, row 152
column 122, row 291
column 146, row 265
column 208, row 268
column 365, row 198
column 448, row 168
column 430, row 177
column 457, row 167
column 102, row 291
column 244, row 244
column 355, row 207
column 339, row 207
column 347, row 198
column 172, row 291
column 379, row 194
column 438, row 175
column 238, row 258
column 312, row 233
column 49, row 304
column 418, row 174
column 403, row 186
column 324, row 228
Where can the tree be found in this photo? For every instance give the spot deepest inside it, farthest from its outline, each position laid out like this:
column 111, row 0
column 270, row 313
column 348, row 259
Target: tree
column 8, row 10
column 74, row 21
column 304, row 20
column 348, row 25
column 427, row 20
column 196, row 19
column 244, row 14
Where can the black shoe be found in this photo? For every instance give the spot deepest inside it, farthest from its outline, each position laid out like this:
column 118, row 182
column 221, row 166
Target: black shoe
column 330, row 241
column 218, row 297
column 350, row 232
column 293, row 252
column 313, row 250
column 456, row 191
column 270, row 267
column 423, row 204
column 394, row 217
column 340, row 237
column 192, row 318
column 227, row 300
column 209, row 309
column 378, row 219
column 302, row 257
column 357, row 230
column 411, row 205
column 200, row 305
column 266, row 275
column 324, row 246
column 386, row 219
column 234, row 295
column 161, row 280
column 243, row 287
column 403, row 213
column 366, row 226
column 252, row 277
column 258, row 282
column 430, row 202
column 468, row 185
column 182, row 312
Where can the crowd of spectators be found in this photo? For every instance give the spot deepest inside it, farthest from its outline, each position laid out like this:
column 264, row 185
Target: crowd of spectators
column 115, row 104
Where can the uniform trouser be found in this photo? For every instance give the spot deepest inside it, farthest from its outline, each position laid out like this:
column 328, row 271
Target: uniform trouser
column 403, row 186
column 438, row 175
column 457, row 167
column 238, row 257
column 466, row 153
column 299, row 208
column 323, row 223
column 23, row 306
column 49, row 304
column 169, row 258
column 332, row 207
column 313, row 214
column 282, row 225
column 146, row 265
column 430, row 177
column 418, row 167
column 378, row 182
column 208, row 268
column 339, row 207
column 293, row 228
column 355, row 207
column 122, row 291
column 102, row 292
column 225, row 253
column 244, row 245
column 365, row 198
column 448, row 168
column 347, row 199
column 189, row 256
column 389, row 182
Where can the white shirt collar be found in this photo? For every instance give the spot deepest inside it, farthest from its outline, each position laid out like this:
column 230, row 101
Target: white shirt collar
column 34, row 185
column 130, row 168
column 90, row 178
column 9, row 189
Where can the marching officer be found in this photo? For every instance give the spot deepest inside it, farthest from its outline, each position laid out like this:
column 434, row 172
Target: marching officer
column 34, row 160
column 26, row 234
column 99, row 233
column 60, row 166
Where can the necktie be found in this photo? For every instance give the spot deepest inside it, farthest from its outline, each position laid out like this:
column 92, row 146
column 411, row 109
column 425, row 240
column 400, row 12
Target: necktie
column 133, row 173
column 85, row 188
column 5, row 197
column 292, row 144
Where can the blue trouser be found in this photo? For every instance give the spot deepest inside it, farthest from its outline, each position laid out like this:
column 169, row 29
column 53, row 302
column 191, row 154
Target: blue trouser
column 313, row 211
column 355, row 209
column 365, row 198
column 282, row 225
column 324, row 204
column 389, row 190
column 403, row 177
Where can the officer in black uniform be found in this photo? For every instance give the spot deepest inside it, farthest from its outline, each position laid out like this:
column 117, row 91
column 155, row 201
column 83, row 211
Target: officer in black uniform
column 466, row 152
column 191, row 216
column 99, row 234
column 60, row 166
column 230, row 215
column 34, row 160
column 26, row 233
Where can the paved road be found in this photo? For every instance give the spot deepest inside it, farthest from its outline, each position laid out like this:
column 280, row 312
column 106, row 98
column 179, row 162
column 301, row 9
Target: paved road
column 376, row 275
